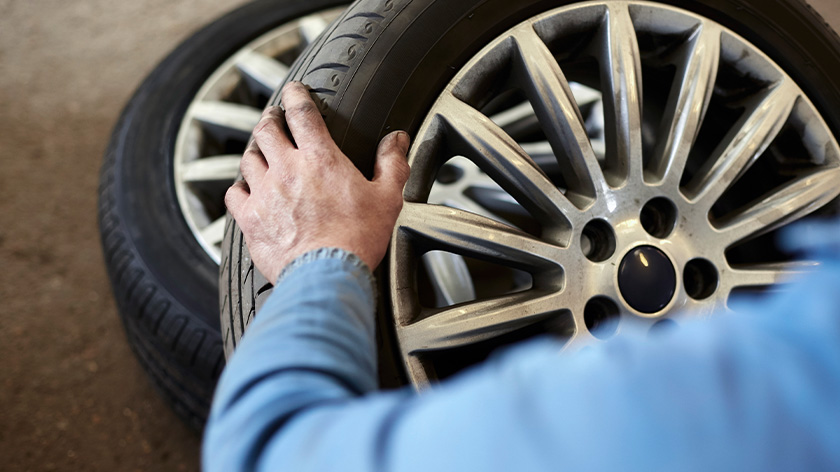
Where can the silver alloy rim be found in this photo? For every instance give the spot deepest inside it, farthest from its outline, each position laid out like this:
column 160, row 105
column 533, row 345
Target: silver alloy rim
column 689, row 197
column 219, row 120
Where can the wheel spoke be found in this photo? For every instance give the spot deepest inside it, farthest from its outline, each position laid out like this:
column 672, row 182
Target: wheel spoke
column 213, row 169
column 214, row 233
column 310, row 28
column 744, row 144
column 449, row 276
column 690, row 95
column 786, row 204
column 262, row 72
column 472, row 235
column 505, row 161
column 621, row 69
column 226, row 120
column 763, row 275
column 470, row 323
column 554, row 104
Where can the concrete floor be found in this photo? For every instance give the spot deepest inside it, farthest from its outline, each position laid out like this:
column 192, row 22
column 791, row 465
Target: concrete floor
column 73, row 396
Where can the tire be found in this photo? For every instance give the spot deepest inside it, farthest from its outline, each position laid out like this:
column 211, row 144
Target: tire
column 164, row 282
column 383, row 63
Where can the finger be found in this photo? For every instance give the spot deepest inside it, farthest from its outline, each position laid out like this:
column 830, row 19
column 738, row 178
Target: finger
column 391, row 168
column 235, row 197
column 305, row 122
column 253, row 167
column 270, row 135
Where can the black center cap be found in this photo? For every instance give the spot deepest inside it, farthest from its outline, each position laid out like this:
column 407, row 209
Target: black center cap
column 647, row 279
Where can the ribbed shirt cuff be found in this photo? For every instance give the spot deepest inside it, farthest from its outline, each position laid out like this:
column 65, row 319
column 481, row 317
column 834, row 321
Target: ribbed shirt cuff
column 330, row 253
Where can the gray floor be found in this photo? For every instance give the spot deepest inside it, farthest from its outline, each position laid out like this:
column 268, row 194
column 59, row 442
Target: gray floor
column 73, row 397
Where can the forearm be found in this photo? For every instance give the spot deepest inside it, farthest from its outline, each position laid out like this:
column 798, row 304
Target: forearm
column 312, row 342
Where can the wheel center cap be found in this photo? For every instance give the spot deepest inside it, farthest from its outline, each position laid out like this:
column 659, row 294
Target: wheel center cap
column 647, row 279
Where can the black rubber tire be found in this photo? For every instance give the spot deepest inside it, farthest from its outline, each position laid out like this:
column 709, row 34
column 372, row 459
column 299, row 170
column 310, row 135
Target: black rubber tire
column 384, row 62
column 165, row 285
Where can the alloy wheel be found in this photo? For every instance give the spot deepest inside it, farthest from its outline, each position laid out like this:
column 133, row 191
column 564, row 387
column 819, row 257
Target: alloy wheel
column 709, row 147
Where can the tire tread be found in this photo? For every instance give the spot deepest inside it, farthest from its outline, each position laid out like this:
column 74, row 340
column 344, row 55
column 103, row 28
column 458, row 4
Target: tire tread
column 324, row 68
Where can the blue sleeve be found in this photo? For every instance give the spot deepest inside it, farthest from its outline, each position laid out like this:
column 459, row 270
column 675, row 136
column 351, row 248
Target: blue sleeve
column 755, row 391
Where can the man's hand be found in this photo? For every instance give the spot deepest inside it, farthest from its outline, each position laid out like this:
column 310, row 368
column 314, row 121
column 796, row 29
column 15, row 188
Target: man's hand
column 298, row 199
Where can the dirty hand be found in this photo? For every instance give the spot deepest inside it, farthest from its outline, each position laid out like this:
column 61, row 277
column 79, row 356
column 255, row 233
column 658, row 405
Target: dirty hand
column 296, row 199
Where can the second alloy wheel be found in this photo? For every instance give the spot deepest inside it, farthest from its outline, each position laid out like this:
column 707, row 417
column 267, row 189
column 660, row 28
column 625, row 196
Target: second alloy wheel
column 173, row 153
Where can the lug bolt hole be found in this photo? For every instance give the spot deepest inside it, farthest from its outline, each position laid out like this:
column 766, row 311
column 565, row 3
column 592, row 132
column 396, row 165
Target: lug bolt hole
column 700, row 278
column 601, row 316
column 597, row 241
column 449, row 174
column 658, row 217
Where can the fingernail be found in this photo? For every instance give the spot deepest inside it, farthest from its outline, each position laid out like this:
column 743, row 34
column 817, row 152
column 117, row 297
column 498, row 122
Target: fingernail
column 403, row 141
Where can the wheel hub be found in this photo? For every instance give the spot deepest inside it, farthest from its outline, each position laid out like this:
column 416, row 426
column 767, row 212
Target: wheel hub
column 646, row 279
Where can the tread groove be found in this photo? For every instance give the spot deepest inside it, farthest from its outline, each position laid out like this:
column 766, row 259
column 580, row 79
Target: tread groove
column 347, row 36
column 365, row 14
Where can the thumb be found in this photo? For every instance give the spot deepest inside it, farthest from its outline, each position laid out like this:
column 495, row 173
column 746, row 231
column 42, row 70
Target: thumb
column 391, row 166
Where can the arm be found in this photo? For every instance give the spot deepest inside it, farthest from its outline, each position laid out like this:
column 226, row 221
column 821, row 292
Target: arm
column 757, row 391
column 311, row 345
column 750, row 392
column 313, row 342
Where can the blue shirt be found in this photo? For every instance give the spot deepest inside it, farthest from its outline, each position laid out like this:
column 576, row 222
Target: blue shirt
column 757, row 390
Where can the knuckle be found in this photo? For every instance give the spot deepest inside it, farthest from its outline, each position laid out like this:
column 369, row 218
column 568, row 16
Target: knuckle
column 246, row 170
column 268, row 126
column 251, row 153
column 398, row 171
column 246, row 161
column 397, row 206
column 229, row 200
column 395, row 200
column 273, row 111
column 403, row 169
column 251, row 159
column 252, row 146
